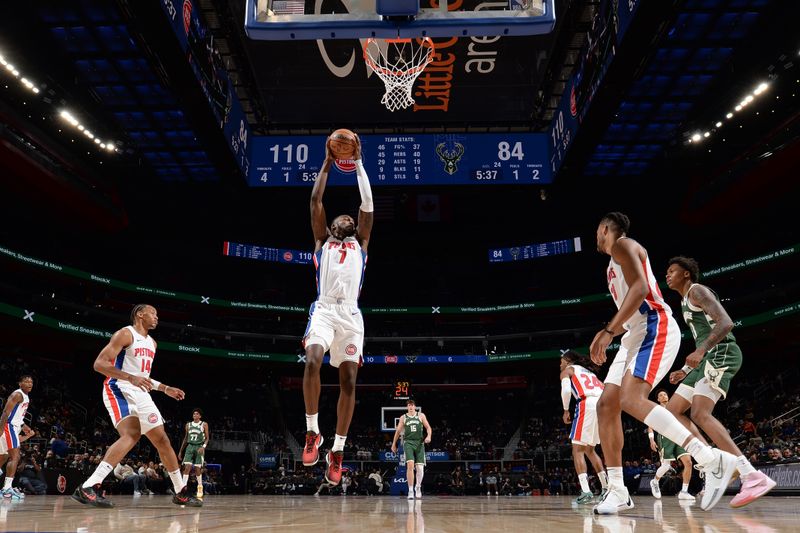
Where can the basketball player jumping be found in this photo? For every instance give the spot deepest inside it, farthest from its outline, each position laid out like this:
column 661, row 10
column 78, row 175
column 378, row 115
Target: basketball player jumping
column 709, row 370
column 127, row 360
column 15, row 432
column 411, row 425
column 193, row 449
column 579, row 380
column 668, row 451
column 648, row 349
column 335, row 321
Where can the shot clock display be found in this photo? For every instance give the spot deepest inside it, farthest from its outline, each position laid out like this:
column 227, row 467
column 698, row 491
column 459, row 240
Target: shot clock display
column 402, row 390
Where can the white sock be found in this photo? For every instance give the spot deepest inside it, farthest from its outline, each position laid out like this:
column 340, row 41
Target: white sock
column 311, row 423
column 338, row 443
column 583, row 479
column 615, row 480
column 100, row 473
column 8, row 482
column 199, row 480
column 663, row 469
column 185, row 478
column 685, row 487
column 177, row 480
column 666, row 424
column 420, row 473
column 603, row 479
column 702, row 453
column 743, row 466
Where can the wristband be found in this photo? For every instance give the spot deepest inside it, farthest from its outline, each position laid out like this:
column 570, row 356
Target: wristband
column 686, row 369
column 650, row 434
column 156, row 383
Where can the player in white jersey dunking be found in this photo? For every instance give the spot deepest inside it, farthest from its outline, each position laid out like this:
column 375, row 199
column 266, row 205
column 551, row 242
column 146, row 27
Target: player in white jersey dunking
column 335, row 322
column 15, row 432
column 127, row 360
column 648, row 349
column 579, row 380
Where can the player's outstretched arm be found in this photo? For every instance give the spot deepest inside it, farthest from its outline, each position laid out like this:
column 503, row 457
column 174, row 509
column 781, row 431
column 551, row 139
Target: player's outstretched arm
column 365, row 211
column 319, row 222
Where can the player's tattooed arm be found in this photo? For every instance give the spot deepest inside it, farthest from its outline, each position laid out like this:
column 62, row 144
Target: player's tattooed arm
column 703, row 298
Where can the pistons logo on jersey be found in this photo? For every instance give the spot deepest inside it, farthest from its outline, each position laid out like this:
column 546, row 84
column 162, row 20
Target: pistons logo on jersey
column 345, row 165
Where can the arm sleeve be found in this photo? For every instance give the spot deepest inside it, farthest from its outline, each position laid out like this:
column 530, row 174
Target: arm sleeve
column 364, row 188
column 566, row 393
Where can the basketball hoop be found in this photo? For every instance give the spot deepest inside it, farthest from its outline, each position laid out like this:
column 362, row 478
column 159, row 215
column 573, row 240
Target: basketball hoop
column 398, row 62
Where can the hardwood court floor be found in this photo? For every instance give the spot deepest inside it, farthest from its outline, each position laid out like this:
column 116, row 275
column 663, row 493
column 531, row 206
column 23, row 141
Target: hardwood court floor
column 355, row 514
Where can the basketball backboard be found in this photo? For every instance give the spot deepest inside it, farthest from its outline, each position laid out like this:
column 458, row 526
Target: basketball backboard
column 390, row 417
column 388, row 19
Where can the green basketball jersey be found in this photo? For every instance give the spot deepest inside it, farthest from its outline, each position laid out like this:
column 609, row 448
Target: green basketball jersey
column 700, row 323
column 413, row 429
column 196, row 435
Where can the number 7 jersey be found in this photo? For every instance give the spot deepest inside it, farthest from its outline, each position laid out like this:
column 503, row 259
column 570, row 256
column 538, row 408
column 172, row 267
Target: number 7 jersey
column 585, row 384
column 340, row 269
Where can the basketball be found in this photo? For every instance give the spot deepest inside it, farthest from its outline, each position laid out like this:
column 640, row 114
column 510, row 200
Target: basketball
column 343, row 144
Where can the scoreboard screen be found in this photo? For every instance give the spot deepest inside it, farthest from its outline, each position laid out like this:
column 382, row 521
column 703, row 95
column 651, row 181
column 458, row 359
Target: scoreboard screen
column 263, row 253
column 534, row 251
column 407, row 159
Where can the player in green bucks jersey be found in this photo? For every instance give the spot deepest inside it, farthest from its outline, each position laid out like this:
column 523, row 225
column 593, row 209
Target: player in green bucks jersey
column 193, row 449
column 411, row 424
column 709, row 369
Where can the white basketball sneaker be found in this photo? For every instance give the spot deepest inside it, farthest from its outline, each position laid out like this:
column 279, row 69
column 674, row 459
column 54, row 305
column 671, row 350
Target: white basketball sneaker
column 418, row 492
column 685, row 496
column 410, row 494
column 616, row 500
column 655, row 489
column 718, row 473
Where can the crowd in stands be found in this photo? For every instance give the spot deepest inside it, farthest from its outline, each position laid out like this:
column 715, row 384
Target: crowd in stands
column 72, row 432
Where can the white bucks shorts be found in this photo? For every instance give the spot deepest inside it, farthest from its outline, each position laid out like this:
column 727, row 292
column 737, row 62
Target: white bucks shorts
column 123, row 400
column 338, row 328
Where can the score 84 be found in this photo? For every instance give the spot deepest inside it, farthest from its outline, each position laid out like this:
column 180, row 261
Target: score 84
column 505, row 151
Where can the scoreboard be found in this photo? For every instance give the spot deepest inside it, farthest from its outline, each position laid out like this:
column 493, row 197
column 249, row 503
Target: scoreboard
column 407, row 159
column 534, row 251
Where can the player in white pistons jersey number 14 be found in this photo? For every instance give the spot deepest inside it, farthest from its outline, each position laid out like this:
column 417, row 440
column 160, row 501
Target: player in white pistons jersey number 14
column 335, row 323
column 126, row 361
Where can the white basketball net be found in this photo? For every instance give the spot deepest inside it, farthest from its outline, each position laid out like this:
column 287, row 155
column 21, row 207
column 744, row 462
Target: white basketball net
column 398, row 62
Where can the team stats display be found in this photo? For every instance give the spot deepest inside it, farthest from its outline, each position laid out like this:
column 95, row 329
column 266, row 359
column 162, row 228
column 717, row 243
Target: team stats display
column 403, row 159
column 534, row 251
